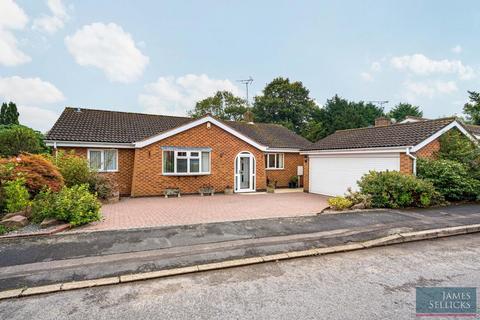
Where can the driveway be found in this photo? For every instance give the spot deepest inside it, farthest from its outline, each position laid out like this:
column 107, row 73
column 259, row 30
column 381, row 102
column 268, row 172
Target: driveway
column 158, row 211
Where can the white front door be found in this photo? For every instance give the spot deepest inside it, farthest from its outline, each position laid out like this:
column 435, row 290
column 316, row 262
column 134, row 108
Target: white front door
column 245, row 172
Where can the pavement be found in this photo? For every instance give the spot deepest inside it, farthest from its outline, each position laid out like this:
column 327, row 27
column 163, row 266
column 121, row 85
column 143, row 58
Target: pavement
column 377, row 283
column 193, row 209
column 82, row 256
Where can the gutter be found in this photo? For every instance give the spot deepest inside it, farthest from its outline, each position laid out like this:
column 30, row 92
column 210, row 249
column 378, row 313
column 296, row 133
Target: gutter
column 414, row 160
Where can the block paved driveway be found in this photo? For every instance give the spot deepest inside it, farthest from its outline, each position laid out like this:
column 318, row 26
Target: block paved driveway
column 158, row 211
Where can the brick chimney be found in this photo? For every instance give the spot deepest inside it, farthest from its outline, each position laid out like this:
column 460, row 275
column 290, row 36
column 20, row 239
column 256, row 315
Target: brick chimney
column 382, row 122
column 248, row 116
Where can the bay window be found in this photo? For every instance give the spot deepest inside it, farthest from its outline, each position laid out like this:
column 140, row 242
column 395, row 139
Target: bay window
column 274, row 161
column 103, row 160
column 180, row 161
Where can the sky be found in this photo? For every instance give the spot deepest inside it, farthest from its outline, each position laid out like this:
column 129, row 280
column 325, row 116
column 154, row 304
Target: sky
column 163, row 56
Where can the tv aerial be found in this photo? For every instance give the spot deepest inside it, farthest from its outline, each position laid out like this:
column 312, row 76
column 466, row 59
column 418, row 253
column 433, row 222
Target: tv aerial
column 246, row 82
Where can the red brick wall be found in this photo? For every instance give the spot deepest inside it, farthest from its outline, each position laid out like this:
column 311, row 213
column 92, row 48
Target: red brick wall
column 306, row 177
column 148, row 179
column 125, row 167
column 282, row 176
column 429, row 151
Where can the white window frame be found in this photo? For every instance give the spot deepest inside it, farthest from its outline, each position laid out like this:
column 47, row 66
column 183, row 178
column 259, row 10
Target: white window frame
column 102, row 159
column 188, row 157
column 267, row 164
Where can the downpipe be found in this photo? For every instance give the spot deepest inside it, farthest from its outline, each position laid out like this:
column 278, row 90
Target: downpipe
column 408, row 153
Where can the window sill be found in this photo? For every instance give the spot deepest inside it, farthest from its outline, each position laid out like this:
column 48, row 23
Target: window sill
column 106, row 171
column 272, row 169
column 186, row 174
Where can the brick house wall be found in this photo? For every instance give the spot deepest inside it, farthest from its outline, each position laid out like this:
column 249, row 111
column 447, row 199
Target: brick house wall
column 125, row 167
column 429, row 152
column 282, row 176
column 306, row 174
column 148, row 179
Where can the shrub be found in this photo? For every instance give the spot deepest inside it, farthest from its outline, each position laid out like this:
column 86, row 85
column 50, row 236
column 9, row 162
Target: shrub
column 17, row 139
column 17, row 197
column 4, row 230
column 457, row 147
column 358, row 197
column 75, row 205
column 104, row 186
column 37, row 170
column 392, row 189
column 340, row 203
column 74, row 169
column 450, row 178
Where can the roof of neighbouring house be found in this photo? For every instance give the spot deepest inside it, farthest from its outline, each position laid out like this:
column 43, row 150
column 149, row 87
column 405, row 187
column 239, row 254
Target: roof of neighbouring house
column 395, row 135
column 90, row 125
column 473, row 128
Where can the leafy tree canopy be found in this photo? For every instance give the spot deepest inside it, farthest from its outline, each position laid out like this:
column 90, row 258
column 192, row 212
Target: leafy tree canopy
column 402, row 110
column 223, row 105
column 8, row 114
column 284, row 102
column 472, row 108
column 339, row 114
column 17, row 139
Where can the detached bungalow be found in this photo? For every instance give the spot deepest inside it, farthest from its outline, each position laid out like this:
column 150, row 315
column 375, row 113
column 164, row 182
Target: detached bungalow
column 338, row 161
column 150, row 153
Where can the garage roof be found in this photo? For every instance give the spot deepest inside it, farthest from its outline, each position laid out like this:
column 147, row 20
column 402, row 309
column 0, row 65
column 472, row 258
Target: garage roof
column 395, row 135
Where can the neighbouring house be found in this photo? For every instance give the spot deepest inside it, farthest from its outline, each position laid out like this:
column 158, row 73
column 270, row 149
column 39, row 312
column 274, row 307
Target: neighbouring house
column 338, row 161
column 149, row 153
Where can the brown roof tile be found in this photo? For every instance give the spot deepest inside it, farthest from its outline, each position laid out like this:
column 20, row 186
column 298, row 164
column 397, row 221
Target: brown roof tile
column 395, row 135
column 89, row 125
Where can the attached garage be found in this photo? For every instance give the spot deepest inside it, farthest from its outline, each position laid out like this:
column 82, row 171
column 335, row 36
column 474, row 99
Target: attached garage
column 338, row 161
column 333, row 174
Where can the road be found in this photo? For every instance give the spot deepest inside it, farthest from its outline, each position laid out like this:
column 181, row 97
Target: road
column 78, row 256
column 377, row 283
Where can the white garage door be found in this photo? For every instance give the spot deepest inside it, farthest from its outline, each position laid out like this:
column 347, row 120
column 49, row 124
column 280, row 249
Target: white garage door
column 333, row 174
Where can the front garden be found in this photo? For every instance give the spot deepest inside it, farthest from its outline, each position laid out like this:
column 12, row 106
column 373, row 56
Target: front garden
column 452, row 175
column 41, row 190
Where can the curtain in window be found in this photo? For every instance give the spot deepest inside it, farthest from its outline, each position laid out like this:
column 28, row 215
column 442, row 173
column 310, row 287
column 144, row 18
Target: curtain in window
column 110, row 160
column 95, row 160
column 205, row 161
column 168, row 161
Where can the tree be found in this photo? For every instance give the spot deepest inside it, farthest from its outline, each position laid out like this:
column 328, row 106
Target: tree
column 339, row 114
column 17, row 139
column 223, row 105
column 286, row 103
column 472, row 108
column 402, row 110
column 8, row 114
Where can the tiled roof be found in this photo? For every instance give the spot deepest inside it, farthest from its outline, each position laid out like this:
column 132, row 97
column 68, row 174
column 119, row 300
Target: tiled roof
column 89, row 125
column 473, row 128
column 395, row 135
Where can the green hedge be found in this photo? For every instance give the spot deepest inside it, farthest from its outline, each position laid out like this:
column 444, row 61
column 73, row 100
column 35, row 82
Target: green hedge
column 392, row 189
column 451, row 178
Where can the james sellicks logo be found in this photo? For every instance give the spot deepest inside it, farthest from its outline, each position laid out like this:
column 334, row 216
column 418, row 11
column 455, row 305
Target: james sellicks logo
column 450, row 301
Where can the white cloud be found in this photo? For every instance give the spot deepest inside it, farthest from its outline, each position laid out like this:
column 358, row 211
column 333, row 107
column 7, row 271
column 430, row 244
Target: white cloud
column 457, row 49
column 175, row 96
column 428, row 89
column 109, row 48
column 422, row 65
column 376, row 66
column 12, row 17
column 32, row 95
column 37, row 118
column 29, row 91
column 54, row 22
column 366, row 76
